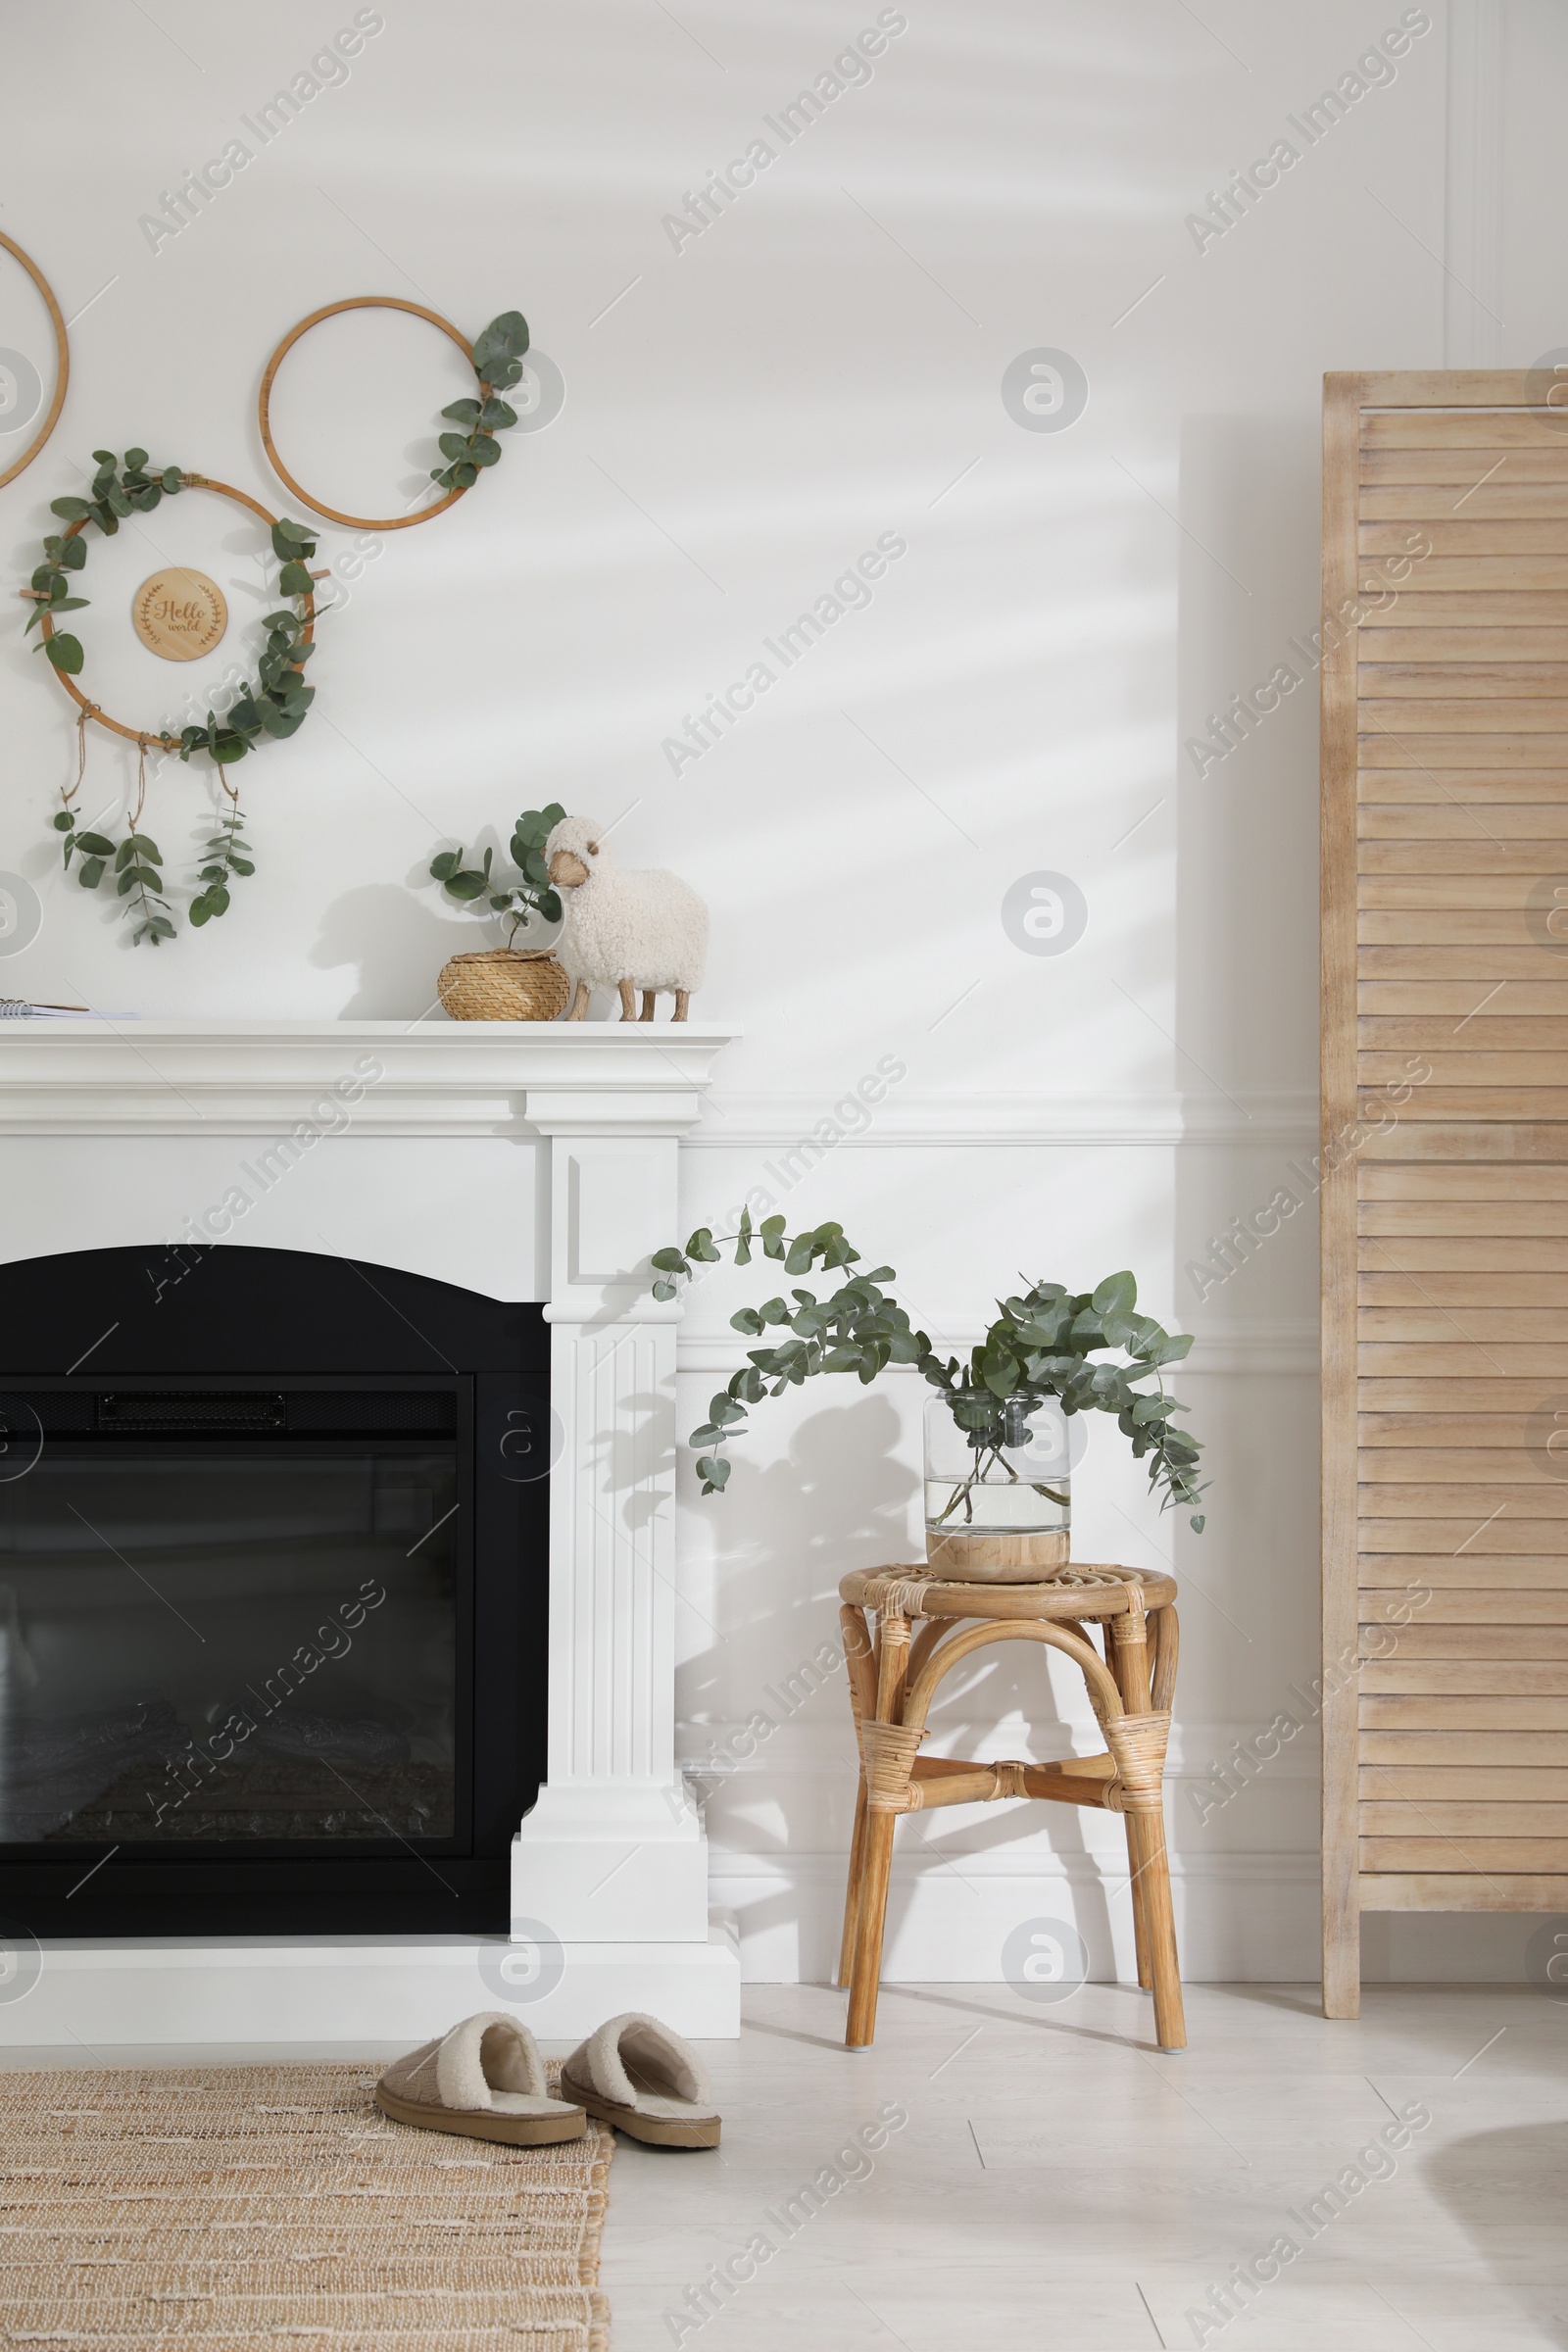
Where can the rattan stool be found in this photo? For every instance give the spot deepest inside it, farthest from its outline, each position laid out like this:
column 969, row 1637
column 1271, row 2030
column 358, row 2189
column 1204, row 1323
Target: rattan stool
column 893, row 1681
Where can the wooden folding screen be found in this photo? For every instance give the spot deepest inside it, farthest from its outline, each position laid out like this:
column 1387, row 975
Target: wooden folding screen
column 1445, row 1190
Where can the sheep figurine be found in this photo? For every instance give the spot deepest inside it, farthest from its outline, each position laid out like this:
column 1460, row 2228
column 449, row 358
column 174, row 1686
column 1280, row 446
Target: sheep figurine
column 622, row 930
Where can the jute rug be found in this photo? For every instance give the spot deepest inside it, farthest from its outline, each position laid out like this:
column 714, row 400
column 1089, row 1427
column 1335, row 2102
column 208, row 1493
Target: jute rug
column 248, row 2206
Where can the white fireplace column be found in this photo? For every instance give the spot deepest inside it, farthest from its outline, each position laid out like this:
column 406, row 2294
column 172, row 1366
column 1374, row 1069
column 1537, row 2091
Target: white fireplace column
column 612, row 1852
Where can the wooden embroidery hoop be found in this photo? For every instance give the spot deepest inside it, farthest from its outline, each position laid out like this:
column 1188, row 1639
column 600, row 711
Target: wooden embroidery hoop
column 136, row 735
column 62, row 353
column 264, row 408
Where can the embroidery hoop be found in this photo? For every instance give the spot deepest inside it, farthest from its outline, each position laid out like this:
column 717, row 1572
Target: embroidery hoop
column 264, row 408
column 62, row 356
column 137, row 735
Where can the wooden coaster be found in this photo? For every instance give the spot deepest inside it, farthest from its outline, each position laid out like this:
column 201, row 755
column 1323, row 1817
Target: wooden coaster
column 179, row 615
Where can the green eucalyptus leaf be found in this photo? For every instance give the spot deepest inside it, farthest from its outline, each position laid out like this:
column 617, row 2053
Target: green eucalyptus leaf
column 70, row 510
column 65, row 653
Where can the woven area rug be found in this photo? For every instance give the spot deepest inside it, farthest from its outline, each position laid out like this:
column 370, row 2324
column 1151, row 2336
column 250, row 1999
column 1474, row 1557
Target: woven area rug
column 234, row 2207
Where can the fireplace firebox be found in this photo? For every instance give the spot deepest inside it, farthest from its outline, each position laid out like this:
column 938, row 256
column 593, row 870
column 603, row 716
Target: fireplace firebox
column 272, row 1594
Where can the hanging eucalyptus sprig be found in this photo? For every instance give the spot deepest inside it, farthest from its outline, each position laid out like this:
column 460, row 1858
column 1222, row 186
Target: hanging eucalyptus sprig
column 498, row 364
column 227, row 855
column 529, row 894
column 1039, row 1346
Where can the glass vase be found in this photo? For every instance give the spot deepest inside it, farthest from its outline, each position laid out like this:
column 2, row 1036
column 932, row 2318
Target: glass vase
column 998, row 1493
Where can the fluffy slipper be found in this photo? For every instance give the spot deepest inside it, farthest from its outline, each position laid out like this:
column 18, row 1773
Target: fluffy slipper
column 636, row 2074
column 486, row 2079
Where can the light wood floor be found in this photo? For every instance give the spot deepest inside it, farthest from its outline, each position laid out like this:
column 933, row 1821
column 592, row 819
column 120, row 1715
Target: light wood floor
column 1059, row 2186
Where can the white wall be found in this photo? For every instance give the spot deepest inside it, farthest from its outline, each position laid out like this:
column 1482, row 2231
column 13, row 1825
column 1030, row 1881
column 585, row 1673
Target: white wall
column 743, row 417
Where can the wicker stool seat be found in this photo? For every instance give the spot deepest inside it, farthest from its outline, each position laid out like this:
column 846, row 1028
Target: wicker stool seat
column 924, row 1627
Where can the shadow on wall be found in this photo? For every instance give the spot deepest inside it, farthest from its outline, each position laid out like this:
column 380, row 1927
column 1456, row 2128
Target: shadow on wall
column 842, row 1500
column 1495, row 2185
column 782, row 1539
column 396, row 945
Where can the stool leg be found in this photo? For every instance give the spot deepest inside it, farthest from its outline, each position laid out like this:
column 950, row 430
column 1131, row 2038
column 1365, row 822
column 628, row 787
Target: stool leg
column 853, row 1892
column 1148, row 1842
column 865, row 1964
column 1134, row 1876
column 859, row 1658
column 1145, row 1843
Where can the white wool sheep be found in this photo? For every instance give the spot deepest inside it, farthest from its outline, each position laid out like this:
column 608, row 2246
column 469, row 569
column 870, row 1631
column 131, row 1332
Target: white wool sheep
column 622, row 930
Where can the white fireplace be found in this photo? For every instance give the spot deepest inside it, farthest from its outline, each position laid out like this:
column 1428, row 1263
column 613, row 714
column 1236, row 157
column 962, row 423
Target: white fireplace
column 522, row 1161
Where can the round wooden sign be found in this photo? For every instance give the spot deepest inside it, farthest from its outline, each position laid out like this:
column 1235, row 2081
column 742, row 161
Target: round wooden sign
column 179, row 615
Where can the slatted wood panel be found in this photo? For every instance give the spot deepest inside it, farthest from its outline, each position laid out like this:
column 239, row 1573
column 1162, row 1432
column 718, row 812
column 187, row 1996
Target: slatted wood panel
column 1445, row 1142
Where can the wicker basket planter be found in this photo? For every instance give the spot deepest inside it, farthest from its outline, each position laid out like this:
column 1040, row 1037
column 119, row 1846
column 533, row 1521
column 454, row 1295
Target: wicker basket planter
column 503, row 984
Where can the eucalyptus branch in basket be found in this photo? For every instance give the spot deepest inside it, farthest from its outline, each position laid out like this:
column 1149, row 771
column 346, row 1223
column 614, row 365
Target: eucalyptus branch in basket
column 529, row 894
column 1039, row 1346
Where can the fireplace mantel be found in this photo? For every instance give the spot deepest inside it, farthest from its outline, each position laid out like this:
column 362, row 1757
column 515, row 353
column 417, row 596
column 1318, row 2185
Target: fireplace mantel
column 436, row 1077
column 114, row 1131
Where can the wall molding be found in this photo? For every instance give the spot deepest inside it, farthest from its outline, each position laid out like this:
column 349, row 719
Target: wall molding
column 1472, row 289
column 957, row 1119
column 1288, row 1346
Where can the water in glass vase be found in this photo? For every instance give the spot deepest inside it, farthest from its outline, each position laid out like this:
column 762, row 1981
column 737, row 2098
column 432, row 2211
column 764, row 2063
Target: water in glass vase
column 995, row 1468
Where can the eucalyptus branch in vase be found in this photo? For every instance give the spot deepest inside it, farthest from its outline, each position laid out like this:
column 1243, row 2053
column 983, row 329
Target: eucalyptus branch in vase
column 1039, row 1348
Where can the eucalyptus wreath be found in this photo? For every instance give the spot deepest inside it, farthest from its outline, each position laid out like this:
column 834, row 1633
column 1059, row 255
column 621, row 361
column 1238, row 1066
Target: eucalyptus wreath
column 1039, row 1346
column 498, row 364
column 529, row 895
column 273, row 706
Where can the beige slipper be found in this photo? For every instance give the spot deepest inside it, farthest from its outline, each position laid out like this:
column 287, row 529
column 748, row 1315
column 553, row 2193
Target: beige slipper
column 487, row 2079
column 636, row 2074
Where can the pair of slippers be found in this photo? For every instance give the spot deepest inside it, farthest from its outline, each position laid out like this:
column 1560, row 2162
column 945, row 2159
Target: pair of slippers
column 486, row 2079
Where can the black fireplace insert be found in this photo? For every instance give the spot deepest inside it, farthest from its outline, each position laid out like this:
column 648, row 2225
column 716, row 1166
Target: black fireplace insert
column 272, row 1589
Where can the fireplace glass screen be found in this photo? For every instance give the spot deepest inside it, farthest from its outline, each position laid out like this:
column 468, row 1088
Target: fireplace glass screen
column 232, row 1617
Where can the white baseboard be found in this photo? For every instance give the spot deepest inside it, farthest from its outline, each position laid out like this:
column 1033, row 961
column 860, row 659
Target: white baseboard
column 1238, row 1917
column 396, row 1989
